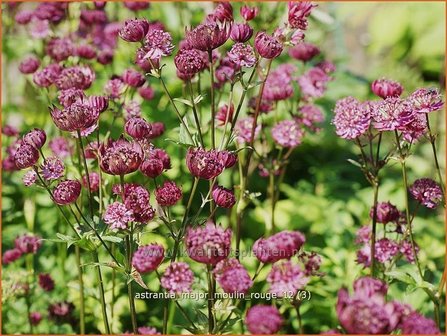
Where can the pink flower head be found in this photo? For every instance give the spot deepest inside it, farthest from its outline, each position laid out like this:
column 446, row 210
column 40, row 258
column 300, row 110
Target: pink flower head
column 35, row 318
column 386, row 212
column 267, row 46
column 98, row 103
column 177, row 278
column 134, row 30
column 282, row 245
column 327, row 66
column 208, row 36
column 426, row 100
column 287, row 133
column 208, row 244
column 10, row 256
column 241, row 32
column 311, row 262
column 168, row 194
column 70, row 96
column 414, row 130
column 24, row 16
column 309, row 115
column 147, row 330
column 286, row 278
column 117, row 216
column 249, row 13
column 147, row 258
column 29, row 65
column 137, row 128
column 304, row 51
column 242, row 55
column 10, row 130
column 152, row 167
column 132, row 109
column 60, row 147
column 54, row 12
column 385, row 88
column 313, row 83
column 279, row 83
column 225, row 114
column 59, row 49
column 263, row 320
column 363, row 235
column 28, row 243
column 26, row 156
column 157, row 43
column 351, row 119
column 160, row 154
column 385, row 250
column 120, row 157
column 147, row 93
column 232, row 276
column 392, row 114
column 299, row 12
column 223, row 197
column 136, row 5
column 36, row 138
column 46, row 282
column 94, row 181
column 204, row 164
column 228, row 158
column 223, row 12
column 85, row 51
column 243, row 130
column 29, row 178
column 61, row 312
column 427, row 192
column 189, row 61
column 79, row 77
column 67, row 192
column 52, row 168
column 416, row 323
column 78, row 116
column 407, row 250
column 47, row 76
column 133, row 78
column 114, row 88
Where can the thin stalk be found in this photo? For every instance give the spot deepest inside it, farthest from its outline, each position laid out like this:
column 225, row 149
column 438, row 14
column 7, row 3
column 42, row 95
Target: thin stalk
column 101, row 292
column 81, row 291
column 90, row 197
column 273, row 202
column 213, row 107
column 210, row 300
column 300, row 323
column 112, row 306
column 196, row 117
column 374, row 229
column 435, row 155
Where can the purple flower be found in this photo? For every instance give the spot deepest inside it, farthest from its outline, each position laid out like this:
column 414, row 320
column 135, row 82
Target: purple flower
column 225, row 114
column 287, row 133
column 136, row 199
column 136, row 5
column 134, row 30
column 386, row 212
column 60, row 147
column 223, row 12
column 407, row 250
column 26, row 156
column 61, row 312
column 223, row 197
column 426, row 100
column 52, row 168
column 311, row 262
column 298, row 13
column 351, row 118
column 189, row 61
column 392, row 114
column 157, row 43
column 10, row 256
column 36, row 138
column 241, row 32
column 67, row 192
column 133, row 78
column 132, row 109
column 29, row 178
column 147, row 93
column 117, row 216
column 24, row 16
column 304, row 51
column 427, row 192
column 29, row 65
column 46, row 282
column 160, row 154
column 204, row 164
column 282, row 245
column 363, row 235
column 263, row 320
column 177, row 278
column 385, row 250
column 59, row 49
column 232, row 276
column 385, row 88
column 35, row 318
column 286, row 278
column 267, row 46
column 120, row 157
column 10, row 130
column 27, row 243
column 70, row 96
column 313, row 83
column 137, row 128
column 243, row 129
column 78, row 116
column 249, row 13
column 415, row 323
column 208, row 36
column 85, row 51
column 55, row 12
column 147, row 258
column 208, row 244
column 94, row 181
column 309, row 115
column 168, row 194
column 242, row 55
column 152, row 167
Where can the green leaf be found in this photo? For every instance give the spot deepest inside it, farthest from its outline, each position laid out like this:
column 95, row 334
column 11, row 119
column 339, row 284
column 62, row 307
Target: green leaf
column 183, row 101
column 401, row 276
column 112, row 239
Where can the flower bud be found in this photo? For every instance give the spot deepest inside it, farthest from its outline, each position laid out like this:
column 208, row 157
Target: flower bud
column 35, row 138
column 267, row 46
column 385, row 88
column 67, row 192
column 134, row 30
column 249, row 13
column 29, row 65
column 241, row 32
column 152, row 167
column 137, row 128
column 133, row 78
column 223, row 197
column 26, row 156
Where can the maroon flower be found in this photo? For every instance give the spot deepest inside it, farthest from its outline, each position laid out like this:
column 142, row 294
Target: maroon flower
column 46, row 282
column 242, row 55
column 70, row 96
column 298, row 13
column 36, row 138
column 223, row 11
column 223, row 197
column 416, row 323
column 313, row 83
column 249, row 13
column 243, row 130
column 147, row 258
column 67, row 192
column 27, row 243
column 386, row 212
column 147, row 93
column 267, row 46
column 76, row 117
column 287, row 133
column 24, row 16
column 177, row 278
column 133, row 78
column 61, row 312
column 117, row 216
column 157, row 43
column 60, row 147
column 208, row 36
column 47, row 75
column 152, row 167
column 137, row 128
column 78, row 77
column 52, row 168
column 385, row 88
column 225, row 114
column 427, row 192
column 392, row 114
column 385, row 250
column 158, row 128
column 35, row 318
column 29, row 65
column 29, row 178
column 282, row 245
column 136, row 199
column 232, row 276
column 241, row 32
column 426, row 100
column 120, row 157
column 160, row 154
column 86, row 51
column 114, row 88
column 136, row 5
column 26, row 156
column 189, row 61
column 263, row 320
column 304, row 51
column 168, row 194
column 228, row 159
column 134, row 30
column 94, row 181
column 10, row 130
column 10, row 256
column 204, row 164
column 286, row 278
column 351, row 119
column 59, row 49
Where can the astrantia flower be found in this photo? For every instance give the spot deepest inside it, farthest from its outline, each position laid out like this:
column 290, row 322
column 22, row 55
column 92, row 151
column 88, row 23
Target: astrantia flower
column 147, row 258
column 78, row 77
column 29, row 178
column 304, row 51
column 26, row 156
column 54, row 12
column 364, row 255
column 61, row 312
column 60, row 147
column 134, row 30
column 309, row 115
column 36, row 138
column 243, row 129
column 298, row 13
column 114, row 88
column 426, row 100
column 241, row 32
column 47, row 75
column 363, row 235
column 28, row 243
column 223, row 197
column 10, row 130
column 152, row 167
column 76, row 117
column 287, row 133
column 147, row 330
column 385, row 250
column 136, row 199
column 24, row 16
column 120, row 157
column 228, row 158
column 225, row 114
column 85, row 51
column 427, row 192
column 157, row 43
column 177, row 278
column 385, row 88
column 265, row 106
column 35, row 318
column 133, row 78
column 67, row 192
column 351, row 119
column 208, row 36
column 263, row 320
column 249, row 13
column 392, row 114
column 327, row 66
column 137, row 128
column 407, row 250
column 286, row 278
column 313, row 83
column 189, row 61
column 10, row 256
column 242, row 55
column 282, row 245
column 416, row 324
column 94, row 181
column 160, row 154
column 208, row 244
column 311, row 262
column 117, row 216
column 59, row 49
column 46, row 282
column 144, row 62
column 386, row 212
column 132, row 109
column 204, row 164
column 168, row 194
column 223, row 12
column 232, row 276
column 147, row 93
column 267, row 46
column 52, row 168
column 136, row 5
column 70, row 96
column 29, row 65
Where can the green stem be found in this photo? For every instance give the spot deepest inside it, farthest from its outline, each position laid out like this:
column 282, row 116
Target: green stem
column 196, row 117
column 133, row 314
column 273, row 203
column 213, row 107
column 101, row 292
column 374, row 228
column 298, row 314
column 87, row 175
column 435, row 155
column 210, row 300
column 81, row 290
